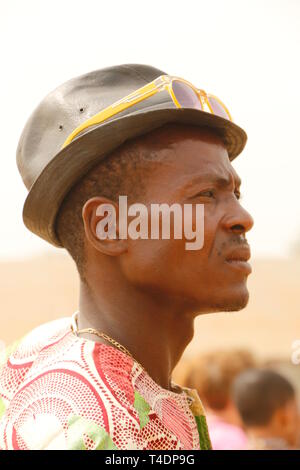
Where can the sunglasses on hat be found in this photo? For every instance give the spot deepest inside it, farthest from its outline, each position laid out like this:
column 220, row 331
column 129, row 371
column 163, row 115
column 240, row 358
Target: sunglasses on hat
column 182, row 93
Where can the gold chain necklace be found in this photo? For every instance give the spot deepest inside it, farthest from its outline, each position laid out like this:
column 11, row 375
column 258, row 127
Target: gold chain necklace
column 74, row 328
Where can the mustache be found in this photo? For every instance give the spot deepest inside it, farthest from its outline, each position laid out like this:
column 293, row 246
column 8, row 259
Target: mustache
column 238, row 240
column 235, row 241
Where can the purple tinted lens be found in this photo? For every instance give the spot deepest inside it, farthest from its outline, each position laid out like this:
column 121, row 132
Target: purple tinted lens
column 217, row 107
column 185, row 95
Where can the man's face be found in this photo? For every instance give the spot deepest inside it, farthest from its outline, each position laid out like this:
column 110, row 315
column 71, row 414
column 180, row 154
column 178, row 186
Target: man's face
column 194, row 169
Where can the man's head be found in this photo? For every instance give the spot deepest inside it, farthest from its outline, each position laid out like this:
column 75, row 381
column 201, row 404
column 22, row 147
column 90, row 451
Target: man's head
column 173, row 164
column 267, row 404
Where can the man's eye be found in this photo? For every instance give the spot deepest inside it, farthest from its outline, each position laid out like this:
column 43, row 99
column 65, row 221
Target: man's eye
column 238, row 195
column 208, row 193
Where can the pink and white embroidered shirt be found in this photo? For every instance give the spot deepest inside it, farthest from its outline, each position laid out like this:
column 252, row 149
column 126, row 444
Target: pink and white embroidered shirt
column 60, row 391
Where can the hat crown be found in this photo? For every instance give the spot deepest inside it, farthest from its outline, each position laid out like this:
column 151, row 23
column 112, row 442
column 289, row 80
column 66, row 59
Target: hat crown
column 68, row 106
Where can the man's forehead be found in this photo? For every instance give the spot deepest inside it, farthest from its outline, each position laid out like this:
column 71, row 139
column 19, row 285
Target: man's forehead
column 210, row 163
column 188, row 153
column 217, row 177
column 181, row 175
column 220, row 178
column 219, row 171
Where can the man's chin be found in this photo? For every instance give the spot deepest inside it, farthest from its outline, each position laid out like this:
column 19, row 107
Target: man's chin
column 235, row 307
column 233, row 303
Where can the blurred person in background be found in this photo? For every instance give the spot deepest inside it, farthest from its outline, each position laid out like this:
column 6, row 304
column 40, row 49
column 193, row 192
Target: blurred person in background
column 212, row 374
column 268, row 407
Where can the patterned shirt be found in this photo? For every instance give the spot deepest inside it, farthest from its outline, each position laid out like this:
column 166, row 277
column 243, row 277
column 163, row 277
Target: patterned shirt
column 60, row 391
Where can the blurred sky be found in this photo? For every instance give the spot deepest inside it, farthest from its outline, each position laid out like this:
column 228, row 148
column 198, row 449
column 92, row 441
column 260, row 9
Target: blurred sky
column 246, row 52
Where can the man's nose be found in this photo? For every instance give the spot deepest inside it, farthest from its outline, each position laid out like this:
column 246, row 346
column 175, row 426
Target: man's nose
column 238, row 220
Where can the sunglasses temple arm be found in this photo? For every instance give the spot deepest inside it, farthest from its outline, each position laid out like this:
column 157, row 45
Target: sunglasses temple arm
column 121, row 105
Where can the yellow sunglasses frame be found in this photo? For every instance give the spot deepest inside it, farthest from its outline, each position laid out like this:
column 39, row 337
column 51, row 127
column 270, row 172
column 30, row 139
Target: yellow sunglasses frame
column 164, row 82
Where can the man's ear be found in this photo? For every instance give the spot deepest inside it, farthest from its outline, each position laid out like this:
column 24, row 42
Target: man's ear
column 101, row 226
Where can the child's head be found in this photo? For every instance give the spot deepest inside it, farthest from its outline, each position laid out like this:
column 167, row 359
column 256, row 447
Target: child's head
column 212, row 374
column 267, row 404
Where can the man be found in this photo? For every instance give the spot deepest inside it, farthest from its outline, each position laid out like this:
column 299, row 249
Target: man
column 102, row 380
column 268, row 406
column 212, row 375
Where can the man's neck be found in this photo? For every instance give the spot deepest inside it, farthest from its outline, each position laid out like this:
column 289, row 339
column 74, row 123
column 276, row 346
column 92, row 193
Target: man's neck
column 155, row 332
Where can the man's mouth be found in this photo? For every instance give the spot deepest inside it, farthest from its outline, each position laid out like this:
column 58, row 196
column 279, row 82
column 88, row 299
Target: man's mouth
column 238, row 259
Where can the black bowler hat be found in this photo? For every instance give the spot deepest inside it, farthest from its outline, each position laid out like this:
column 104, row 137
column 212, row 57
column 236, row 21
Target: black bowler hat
column 49, row 171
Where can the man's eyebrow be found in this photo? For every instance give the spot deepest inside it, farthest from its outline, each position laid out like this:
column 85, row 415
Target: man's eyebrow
column 219, row 181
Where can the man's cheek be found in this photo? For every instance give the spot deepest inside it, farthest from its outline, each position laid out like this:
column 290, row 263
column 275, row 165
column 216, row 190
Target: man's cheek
column 194, row 226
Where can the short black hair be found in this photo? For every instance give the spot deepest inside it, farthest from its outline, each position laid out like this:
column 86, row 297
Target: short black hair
column 123, row 172
column 258, row 393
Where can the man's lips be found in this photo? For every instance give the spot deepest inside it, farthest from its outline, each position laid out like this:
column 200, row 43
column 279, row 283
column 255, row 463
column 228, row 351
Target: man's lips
column 238, row 259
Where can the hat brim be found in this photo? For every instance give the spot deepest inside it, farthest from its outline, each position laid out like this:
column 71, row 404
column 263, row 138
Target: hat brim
column 75, row 160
